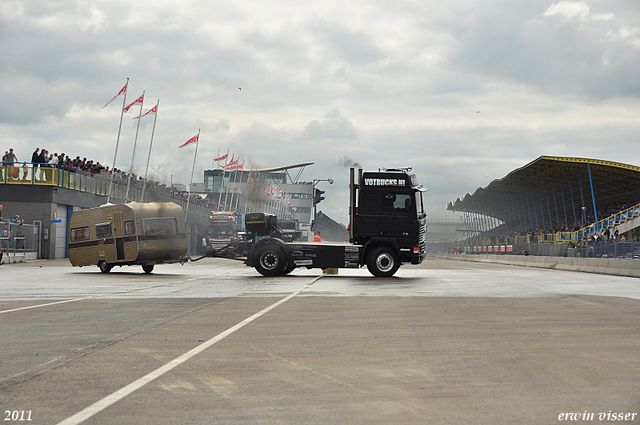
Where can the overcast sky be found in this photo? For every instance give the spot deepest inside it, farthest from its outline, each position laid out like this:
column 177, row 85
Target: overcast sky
column 464, row 91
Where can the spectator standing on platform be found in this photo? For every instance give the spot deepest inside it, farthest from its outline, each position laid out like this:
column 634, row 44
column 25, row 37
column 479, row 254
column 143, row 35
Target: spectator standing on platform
column 317, row 237
column 10, row 157
column 43, row 158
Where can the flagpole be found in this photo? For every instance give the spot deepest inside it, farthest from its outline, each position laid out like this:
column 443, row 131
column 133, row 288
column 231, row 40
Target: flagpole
column 153, row 130
column 193, row 168
column 226, row 193
column 234, row 192
column 115, row 155
column 133, row 154
column 222, row 182
column 240, row 185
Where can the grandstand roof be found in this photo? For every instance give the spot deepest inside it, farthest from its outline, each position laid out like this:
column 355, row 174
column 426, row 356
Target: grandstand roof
column 285, row 167
column 551, row 185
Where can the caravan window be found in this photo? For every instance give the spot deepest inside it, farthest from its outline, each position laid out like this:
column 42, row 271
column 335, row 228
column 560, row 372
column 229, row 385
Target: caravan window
column 103, row 230
column 129, row 227
column 79, row 234
column 159, row 226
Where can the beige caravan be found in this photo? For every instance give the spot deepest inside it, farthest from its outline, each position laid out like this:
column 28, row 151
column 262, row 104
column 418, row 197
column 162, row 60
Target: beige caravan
column 128, row 234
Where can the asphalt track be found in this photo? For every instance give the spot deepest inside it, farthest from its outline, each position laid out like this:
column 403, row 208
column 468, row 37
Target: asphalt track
column 213, row 342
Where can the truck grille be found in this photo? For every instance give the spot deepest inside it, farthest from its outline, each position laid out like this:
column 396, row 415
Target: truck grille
column 422, row 240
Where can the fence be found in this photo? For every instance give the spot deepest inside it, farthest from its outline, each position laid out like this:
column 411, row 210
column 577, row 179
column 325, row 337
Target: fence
column 51, row 175
column 18, row 241
column 591, row 249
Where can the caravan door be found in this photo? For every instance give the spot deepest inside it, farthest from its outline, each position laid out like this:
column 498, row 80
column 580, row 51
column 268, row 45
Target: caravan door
column 118, row 234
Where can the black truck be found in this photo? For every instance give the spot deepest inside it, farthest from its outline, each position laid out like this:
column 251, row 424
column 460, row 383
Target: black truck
column 387, row 227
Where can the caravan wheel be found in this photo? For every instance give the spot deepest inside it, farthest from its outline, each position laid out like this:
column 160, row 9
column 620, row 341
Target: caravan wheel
column 104, row 267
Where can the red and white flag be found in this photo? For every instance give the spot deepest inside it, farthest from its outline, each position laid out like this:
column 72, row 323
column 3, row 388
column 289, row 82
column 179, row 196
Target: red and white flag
column 220, row 158
column 138, row 100
column 188, row 142
column 232, row 164
column 153, row 110
column 122, row 91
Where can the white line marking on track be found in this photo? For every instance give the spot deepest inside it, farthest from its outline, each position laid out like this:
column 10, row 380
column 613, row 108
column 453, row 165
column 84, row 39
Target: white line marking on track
column 44, row 305
column 100, row 405
column 144, row 288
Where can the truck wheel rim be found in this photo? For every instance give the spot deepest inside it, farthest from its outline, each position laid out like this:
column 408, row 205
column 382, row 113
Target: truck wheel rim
column 269, row 260
column 384, row 262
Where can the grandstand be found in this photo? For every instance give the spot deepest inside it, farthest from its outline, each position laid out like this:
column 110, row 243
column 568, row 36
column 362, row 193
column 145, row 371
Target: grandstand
column 556, row 206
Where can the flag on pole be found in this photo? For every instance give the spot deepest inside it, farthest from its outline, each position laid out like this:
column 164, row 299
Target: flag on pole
column 122, row 91
column 153, row 110
column 138, row 100
column 220, row 158
column 188, row 142
column 231, row 165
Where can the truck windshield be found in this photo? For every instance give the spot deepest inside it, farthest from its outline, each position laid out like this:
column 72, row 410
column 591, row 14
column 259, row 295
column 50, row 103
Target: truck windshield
column 221, row 230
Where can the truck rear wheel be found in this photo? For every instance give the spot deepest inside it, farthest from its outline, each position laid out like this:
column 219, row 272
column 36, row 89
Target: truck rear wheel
column 271, row 260
column 382, row 262
column 148, row 268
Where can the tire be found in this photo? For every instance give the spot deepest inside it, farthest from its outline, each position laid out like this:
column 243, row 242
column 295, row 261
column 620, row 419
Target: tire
column 383, row 262
column 271, row 260
column 148, row 268
column 104, row 267
column 289, row 268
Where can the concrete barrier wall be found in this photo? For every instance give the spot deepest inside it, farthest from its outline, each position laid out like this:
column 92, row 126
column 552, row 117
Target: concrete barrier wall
column 20, row 257
column 612, row 266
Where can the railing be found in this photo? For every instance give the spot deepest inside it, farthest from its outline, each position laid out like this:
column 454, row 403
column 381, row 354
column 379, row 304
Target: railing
column 604, row 249
column 613, row 220
column 50, row 175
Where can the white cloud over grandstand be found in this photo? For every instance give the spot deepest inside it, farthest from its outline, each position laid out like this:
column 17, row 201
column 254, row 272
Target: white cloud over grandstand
column 463, row 91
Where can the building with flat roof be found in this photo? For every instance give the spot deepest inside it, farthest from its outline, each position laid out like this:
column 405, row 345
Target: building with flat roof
column 269, row 190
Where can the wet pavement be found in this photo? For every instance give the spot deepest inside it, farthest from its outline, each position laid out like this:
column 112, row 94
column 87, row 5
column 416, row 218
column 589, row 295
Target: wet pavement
column 211, row 342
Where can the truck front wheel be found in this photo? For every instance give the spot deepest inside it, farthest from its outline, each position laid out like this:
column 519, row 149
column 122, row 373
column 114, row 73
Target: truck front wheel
column 271, row 260
column 382, row 262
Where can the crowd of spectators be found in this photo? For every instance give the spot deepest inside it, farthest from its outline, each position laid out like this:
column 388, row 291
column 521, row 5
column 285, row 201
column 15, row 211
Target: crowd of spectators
column 503, row 233
column 44, row 158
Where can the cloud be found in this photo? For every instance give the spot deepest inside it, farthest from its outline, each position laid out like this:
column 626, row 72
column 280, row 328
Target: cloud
column 332, row 126
column 403, row 83
column 628, row 35
column 570, row 11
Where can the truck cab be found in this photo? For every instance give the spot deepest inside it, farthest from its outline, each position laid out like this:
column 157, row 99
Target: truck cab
column 387, row 210
column 222, row 229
